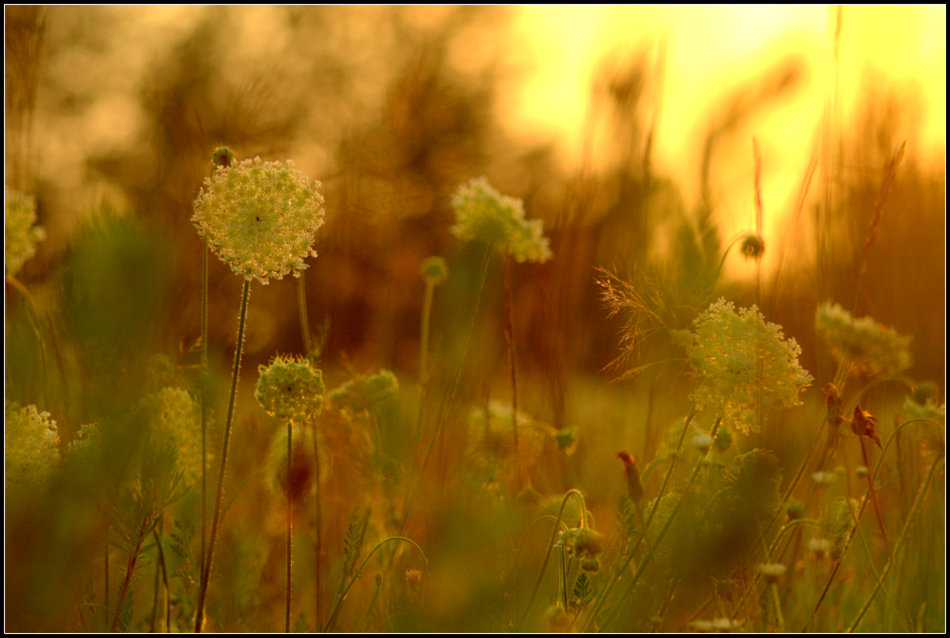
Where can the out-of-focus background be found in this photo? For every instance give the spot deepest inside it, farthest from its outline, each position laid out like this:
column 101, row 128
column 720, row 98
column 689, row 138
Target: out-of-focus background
column 616, row 125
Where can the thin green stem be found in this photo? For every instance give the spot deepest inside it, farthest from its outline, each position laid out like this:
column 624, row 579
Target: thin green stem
column 900, row 540
column 204, row 407
column 235, row 372
column 669, row 521
column 318, row 534
column 614, row 577
column 342, row 595
column 512, row 357
column 290, row 523
column 302, row 313
column 544, row 564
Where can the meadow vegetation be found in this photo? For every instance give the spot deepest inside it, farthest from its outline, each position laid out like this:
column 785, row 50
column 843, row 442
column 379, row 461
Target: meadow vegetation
column 483, row 400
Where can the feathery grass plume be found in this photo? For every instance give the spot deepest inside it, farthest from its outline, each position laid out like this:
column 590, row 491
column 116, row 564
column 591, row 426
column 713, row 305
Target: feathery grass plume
column 290, row 388
column 861, row 345
column 365, row 393
column 484, row 215
column 31, row 447
column 743, row 364
column 20, row 234
column 174, row 420
column 260, row 217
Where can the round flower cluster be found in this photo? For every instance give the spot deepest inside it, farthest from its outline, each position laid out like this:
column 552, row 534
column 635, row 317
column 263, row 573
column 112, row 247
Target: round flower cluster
column 744, row 365
column 260, row 217
column 483, row 214
column 174, row 421
column 20, row 235
column 863, row 345
column 366, row 393
column 31, row 446
column 290, row 388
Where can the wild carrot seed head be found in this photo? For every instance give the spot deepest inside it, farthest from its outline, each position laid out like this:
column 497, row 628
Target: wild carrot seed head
column 260, row 218
column 484, row 215
column 290, row 388
column 174, row 421
column 365, row 393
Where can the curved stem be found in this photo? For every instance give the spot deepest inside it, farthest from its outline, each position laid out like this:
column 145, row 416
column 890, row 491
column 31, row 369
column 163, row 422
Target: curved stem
column 544, row 564
column 235, row 371
column 339, row 599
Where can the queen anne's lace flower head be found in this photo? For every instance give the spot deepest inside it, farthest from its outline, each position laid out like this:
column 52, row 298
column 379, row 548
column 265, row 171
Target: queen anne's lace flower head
column 366, row 393
column 174, row 420
column 260, row 217
column 290, row 388
column 744, row 365
column 20, row 235
column 31, row 446
column 483, row 214
column 863, row 345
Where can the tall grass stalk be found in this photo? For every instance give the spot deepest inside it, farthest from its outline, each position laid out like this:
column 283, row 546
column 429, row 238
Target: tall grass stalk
column 235, row 372
column 510, row 338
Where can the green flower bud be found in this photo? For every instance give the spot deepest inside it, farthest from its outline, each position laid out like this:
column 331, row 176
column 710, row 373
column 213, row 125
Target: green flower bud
column 434, row 270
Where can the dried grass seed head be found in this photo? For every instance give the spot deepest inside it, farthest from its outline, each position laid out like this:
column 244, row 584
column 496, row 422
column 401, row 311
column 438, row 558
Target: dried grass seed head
column 260, row 217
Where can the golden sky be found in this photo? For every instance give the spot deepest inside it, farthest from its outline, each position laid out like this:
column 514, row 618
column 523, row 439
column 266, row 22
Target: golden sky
column 710, row 50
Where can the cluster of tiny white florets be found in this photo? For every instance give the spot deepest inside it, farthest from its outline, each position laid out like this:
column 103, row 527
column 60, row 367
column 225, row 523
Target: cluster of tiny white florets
column 31, row 446
column 863, row 345
column 260, row 217
column 20, row 234
column 290, row 388
column 483, row 214
column 745, row 366
column 174, row 421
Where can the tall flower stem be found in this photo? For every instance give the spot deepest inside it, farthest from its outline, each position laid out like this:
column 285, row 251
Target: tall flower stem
column 302, row 313
column 204, row 406
column 235, row 371
column 318, row 534
column 290, row 523
column 510, row 337
column 133, row 558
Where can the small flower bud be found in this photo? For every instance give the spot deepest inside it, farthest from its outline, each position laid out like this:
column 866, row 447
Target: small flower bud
column 434, row 270
column 772, row 572
column 753, row 247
